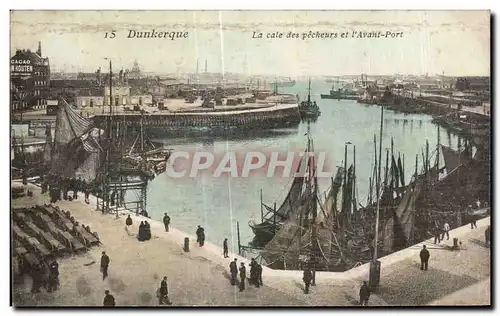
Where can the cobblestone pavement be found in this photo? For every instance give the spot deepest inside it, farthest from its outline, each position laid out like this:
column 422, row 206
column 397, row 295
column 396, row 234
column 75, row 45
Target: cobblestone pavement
column 404, row 284
column 200, row 277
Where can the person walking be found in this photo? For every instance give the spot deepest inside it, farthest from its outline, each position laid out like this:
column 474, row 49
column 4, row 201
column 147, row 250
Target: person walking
column 364, row 294
column 446, row 231
column 109, row 300
column 104, row 264
column 424, row 258
column 472, row 221
column 437, row 234
column 226, row 248
column 163, row 299
column 166, row 222
column 307, row 278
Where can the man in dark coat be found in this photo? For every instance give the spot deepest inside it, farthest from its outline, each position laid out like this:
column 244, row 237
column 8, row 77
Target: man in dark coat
column 104, row 264
column 37, row 277
column 128, row 221
column 147, row 230
column 364, row 294
column 424, row 258
column 307, row 278
column 437, row 233
column 109, row 300
column 253, row 273
column 233, row 269
column 198, row 234
column 64, row 187
column 487, row 236
column 166, row 221
column 164, row 292
column 202, row 240
column 472, row 220
column 258, row 267
column 77, row 186
column 226, row 248
column 243, row 275
column 53, row 280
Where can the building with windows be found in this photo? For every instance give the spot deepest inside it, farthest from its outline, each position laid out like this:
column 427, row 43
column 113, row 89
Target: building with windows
column 89, row 101
column 120, row 94
column 29, row 79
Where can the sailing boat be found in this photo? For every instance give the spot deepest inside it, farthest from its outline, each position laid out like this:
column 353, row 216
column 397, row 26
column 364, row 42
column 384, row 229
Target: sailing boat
column 271, row 222
column 309, row 109
column 145, row 151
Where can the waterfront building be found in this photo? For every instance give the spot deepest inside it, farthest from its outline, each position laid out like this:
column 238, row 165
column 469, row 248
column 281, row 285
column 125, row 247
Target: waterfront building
column 30, row 79
column 89, row 101
column 120, row 93
column 71, row 89
column 141, row 99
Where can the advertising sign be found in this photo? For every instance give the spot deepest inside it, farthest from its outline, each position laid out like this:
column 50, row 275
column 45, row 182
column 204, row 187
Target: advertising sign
column 20, row 67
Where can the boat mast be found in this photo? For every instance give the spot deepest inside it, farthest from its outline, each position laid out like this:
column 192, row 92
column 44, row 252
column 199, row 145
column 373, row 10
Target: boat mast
column 437, row 152
column 105, row 201
column 375, row 248
column 309, row 92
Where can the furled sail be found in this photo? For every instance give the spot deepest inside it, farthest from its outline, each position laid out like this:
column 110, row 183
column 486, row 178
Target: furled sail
column 76, row 149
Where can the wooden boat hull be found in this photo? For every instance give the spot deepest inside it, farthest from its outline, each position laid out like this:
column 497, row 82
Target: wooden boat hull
column 264, row 233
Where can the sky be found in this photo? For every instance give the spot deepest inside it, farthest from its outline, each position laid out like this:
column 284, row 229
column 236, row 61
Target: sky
column 454, row 42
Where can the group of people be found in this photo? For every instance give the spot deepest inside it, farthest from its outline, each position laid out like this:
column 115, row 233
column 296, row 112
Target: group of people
column 144, row 231
column 440, row 231
column 46, row 275
column 59, row 187
column 255, row 273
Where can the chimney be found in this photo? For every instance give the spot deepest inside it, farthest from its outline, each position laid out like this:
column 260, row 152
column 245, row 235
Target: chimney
column 206, row 65
column 39, row 51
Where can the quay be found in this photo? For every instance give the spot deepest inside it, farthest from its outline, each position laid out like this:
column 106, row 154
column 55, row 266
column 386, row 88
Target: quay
column 467, row 121
column 200, row 277
column 242, row 117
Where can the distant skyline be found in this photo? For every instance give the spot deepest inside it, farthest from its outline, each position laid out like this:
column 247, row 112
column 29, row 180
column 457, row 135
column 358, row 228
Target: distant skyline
column 456, row 42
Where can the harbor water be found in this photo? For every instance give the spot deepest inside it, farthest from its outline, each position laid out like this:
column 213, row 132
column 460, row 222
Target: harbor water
column 218, row 203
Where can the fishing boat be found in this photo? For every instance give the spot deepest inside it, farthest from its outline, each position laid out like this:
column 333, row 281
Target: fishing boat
column 272, row 218
column 336, row 234
column 340, row 94
column 307, row 108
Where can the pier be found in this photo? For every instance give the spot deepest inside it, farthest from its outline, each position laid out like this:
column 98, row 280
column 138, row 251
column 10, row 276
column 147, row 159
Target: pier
column 243, row 117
